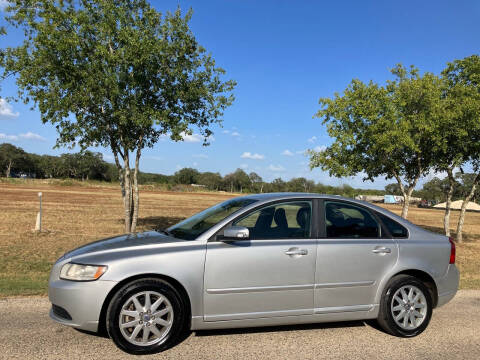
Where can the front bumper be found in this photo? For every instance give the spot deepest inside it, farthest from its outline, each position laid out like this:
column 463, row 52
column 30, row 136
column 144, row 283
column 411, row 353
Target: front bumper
column 83, row 301
column 447, row 286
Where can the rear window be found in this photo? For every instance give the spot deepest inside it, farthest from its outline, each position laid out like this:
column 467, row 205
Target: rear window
column 395, row 229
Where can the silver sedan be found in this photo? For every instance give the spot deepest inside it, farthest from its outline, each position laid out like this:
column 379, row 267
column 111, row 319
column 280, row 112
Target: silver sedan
column 259, row 260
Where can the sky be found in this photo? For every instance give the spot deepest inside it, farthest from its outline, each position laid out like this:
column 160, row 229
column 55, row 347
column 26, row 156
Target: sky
column 284, row 55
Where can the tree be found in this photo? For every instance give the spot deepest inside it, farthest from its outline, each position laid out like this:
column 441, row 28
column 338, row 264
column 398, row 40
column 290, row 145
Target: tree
column 463, row 77
column 237, row 180
column 300, row 185
column 382, row 131
column 393, row 189
column 14, row 160
column 186, row 176
column 212, row 181
column 256, row 181
column 278, row 185
column 117, row 74
column 436, row 189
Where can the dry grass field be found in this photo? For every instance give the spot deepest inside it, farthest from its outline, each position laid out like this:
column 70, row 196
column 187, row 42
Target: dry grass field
column 77, row 214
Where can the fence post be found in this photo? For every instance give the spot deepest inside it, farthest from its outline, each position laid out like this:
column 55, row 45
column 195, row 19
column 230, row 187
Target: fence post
column 38, row 225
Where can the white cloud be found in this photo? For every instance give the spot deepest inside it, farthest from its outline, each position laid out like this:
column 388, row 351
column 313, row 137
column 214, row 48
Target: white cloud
column 312, row 139
column 200, row 156
column 287, row 153
column 32, row 136
column 8, row 137
column 320, row 148
column 3, row 4
column 300, row 152
column 244, row 166
column 232, row 132
column 195, row 164
column 276, row 168
column 6, row 110
column 249, row 155
column 191, row 137
column 194, row 138
column 27, row 136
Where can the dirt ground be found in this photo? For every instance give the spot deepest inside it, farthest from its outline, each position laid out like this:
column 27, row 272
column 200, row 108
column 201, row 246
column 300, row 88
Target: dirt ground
column 75, row 215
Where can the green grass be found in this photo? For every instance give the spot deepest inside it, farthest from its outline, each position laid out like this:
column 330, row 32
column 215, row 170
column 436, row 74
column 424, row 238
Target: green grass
column 34, row 284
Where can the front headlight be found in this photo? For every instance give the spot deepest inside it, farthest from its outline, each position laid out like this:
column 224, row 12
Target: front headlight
column 79, row 272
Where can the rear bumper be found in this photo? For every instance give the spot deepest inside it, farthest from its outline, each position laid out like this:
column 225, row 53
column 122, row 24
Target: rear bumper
column 82, row 301
column 447, row 286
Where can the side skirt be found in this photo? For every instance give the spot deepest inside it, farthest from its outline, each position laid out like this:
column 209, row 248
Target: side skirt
column 322, row 315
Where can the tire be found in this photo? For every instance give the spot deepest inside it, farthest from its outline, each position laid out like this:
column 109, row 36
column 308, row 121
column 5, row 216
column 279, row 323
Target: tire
column 405, row 316
column 153, row 328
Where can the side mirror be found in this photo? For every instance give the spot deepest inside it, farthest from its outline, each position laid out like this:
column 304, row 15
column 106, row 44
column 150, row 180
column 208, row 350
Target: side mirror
column 233, row 233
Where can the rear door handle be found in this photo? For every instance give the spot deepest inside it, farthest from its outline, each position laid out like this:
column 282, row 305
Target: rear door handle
column 296, row 251
column 381, row 250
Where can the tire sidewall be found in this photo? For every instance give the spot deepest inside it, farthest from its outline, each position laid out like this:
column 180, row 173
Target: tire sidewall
column 114, row 308
column 385, row 307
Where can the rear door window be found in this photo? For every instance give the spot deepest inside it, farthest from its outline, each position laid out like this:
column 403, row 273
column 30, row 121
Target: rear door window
column 394, row 228
column 343, row 220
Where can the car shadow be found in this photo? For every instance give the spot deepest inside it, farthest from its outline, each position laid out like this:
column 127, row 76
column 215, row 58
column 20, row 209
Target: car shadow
column 282, row 328
column 186, row 333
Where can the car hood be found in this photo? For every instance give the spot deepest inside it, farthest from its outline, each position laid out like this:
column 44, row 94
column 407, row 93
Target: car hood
column 123, row 242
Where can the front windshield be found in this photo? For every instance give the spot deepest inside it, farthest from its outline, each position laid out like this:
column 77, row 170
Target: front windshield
column 191, row 228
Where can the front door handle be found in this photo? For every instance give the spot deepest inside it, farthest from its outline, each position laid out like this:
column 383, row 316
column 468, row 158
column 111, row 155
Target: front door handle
column 296, row 251
column 382, row 250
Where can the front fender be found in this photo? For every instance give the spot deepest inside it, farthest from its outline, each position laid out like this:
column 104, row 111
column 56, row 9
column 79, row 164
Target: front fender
column 183, row 262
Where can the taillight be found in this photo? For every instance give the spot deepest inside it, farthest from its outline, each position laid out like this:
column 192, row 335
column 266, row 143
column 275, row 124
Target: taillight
column 452, row 251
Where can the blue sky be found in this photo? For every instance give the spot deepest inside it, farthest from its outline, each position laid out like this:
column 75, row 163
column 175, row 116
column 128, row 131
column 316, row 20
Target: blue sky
column 284, row 55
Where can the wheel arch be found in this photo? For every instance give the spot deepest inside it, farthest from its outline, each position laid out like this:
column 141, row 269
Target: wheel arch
column 175, row 283
column 423, row 276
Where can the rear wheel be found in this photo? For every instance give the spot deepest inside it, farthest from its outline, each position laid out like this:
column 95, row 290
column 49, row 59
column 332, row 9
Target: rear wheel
column 405, row 307
column 145, row 316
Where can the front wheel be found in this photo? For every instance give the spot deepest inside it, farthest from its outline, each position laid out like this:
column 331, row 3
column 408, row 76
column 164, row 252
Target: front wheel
column 405, row 307
column 145, row 316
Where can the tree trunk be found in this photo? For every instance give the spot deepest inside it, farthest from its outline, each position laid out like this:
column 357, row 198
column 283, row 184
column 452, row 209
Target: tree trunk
column 136, row 197
column 406, row 192
column 9, row 168
column 128, row 192
column 463, row 210
column 446, row 218
column 406, row 203
column 129, row 186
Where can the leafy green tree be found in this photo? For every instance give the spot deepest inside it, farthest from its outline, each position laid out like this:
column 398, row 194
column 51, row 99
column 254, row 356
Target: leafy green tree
column 117, row 74
column 393, row 189
column 382, row 130
column 238, row 180
column 436, row 189
column 186, row 176
column 212, row 181
column 278, row 185
column 300, row 185
column 463, row 78
column 14, row 160
column 256, row 181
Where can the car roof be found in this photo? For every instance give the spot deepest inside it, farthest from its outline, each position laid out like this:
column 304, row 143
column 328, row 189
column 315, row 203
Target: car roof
column 290, row 195
column 266, row 197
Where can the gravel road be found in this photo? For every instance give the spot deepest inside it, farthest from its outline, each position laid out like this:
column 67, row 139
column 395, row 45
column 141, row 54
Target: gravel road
column 454, row 333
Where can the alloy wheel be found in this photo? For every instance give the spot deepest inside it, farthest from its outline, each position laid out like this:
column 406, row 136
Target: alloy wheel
column 146, row 318
column 409, row 307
